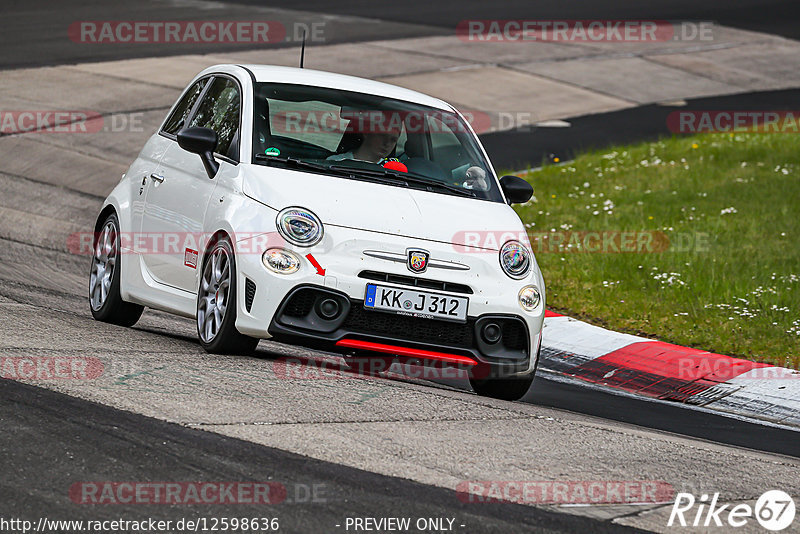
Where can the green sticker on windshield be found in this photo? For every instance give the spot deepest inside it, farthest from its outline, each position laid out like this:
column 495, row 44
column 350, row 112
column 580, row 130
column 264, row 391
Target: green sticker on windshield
column 272, row 151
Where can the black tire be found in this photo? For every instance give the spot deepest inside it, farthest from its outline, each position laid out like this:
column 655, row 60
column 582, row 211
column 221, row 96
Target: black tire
column 111, row 309
column 511, row 388
column 226, row 339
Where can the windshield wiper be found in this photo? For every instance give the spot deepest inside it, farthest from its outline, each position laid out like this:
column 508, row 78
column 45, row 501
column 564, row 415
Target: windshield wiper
column 336, row 170
column 294, row 162
column 386, row 176
column 408, row 178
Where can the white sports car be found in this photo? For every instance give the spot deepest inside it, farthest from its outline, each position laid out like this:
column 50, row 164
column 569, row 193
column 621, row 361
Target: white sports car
column 329, row 211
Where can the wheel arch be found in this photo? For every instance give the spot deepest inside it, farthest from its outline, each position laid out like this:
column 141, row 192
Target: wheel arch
column 213, row 240
column 101, row 218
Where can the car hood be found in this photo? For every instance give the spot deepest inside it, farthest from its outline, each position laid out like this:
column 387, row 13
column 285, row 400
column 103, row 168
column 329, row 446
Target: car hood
column 386, row 209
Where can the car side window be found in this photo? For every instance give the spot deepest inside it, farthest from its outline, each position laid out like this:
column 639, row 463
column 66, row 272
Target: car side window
column 178, row 118
column 219, row 110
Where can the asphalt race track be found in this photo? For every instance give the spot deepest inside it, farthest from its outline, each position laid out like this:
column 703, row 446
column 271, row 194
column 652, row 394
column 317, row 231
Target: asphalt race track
column 34, row 32
column 108, row 444
column 164, row 410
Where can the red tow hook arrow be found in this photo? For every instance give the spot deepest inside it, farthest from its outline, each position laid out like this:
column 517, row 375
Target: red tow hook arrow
column 315, row 263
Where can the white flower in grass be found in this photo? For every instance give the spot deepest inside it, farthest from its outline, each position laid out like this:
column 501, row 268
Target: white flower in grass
column 728, row 211
column 669, row 279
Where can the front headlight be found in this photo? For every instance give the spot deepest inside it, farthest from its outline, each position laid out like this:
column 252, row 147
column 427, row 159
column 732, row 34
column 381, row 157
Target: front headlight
column 299, row 227
column 515, row 259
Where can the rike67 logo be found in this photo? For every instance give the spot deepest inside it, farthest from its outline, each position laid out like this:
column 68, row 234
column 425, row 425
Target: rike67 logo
column 774, row 511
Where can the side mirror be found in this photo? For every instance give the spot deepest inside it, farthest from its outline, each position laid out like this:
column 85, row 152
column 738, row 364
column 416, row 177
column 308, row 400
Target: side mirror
column 516, row 189
column 202, row 141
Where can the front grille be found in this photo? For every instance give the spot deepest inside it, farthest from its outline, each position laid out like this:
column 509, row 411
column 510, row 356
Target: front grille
column 515, row 335
column 249, row 293
column 422, row 283
column 412, row 329
column 301, row 302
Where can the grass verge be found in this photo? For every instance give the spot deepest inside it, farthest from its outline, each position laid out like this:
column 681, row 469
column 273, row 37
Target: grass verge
column 714, row 225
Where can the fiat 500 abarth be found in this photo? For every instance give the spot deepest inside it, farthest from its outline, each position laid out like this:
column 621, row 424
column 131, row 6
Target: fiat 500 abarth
column 329, row 211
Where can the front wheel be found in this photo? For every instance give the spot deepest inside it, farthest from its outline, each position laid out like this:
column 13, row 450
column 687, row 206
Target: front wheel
column 510, row 388
column 105, row 300
column 216, row 304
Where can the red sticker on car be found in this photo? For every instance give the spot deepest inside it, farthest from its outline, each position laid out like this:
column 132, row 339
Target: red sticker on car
column 190, row 258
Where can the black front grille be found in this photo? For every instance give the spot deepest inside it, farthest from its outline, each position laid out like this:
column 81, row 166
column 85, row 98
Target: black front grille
column 301, row 302
column 422, row 283
column 249, row 293
column 413, row 329
column 515, row 335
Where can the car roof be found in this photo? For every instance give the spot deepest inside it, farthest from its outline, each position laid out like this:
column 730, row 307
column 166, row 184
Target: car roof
column 319, row 78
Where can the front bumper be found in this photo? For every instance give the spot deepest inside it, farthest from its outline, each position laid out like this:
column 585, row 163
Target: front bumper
column 286, row 307
column 303, row 318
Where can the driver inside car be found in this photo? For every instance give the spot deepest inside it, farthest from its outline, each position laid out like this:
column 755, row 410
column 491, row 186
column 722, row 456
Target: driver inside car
column 375, row 147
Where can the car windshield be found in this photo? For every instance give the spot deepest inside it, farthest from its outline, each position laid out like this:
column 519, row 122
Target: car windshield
column 368, row 137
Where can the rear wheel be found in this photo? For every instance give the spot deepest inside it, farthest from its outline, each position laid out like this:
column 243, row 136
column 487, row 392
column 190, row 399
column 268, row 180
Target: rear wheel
column 511, row 388
column 216, row 304
column 105, row 300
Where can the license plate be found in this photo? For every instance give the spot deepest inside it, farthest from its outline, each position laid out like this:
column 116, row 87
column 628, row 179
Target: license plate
column 415, row 303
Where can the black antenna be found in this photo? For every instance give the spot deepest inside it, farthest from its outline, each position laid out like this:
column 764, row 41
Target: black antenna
column 303, row 49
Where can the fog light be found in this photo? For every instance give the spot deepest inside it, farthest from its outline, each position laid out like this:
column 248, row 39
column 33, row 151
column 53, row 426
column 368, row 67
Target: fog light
column 329, row 309
column 529, row 298
column 280, row 261
column 492, row 333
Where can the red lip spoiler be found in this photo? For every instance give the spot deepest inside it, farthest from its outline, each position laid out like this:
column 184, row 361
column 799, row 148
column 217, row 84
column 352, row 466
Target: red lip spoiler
column 405, row 351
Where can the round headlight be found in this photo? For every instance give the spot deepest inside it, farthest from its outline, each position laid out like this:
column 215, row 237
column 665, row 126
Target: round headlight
column 515, row 259
column 529, row 298
column 280, row 261
column 299, row 227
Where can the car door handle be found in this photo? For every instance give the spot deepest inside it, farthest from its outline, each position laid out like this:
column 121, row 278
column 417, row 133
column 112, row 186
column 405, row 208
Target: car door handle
column 157, row 177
